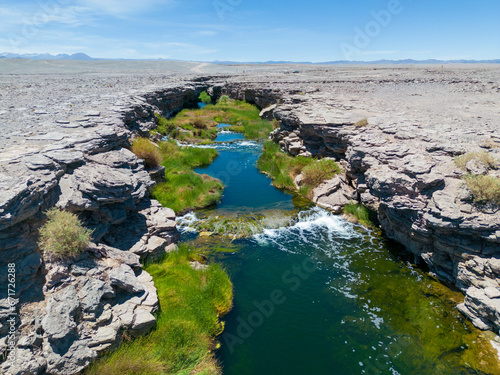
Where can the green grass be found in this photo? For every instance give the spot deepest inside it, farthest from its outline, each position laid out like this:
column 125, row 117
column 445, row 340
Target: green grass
column 200, row 125
column 183, row 341
column 143, row 148
column 283, row 168
column 356, row 212
column 184, row 189
column 484, row 189
column 319, row 171
column 481, row 157
column 63, row 235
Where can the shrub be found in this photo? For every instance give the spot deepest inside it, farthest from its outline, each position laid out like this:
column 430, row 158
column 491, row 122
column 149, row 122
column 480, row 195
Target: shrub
column 223, row 100
column 164, row 126
column 205, row 98
column 322, row 170
column 362, row 123
column 485, row 189
column 482, row 157
column 199, row 123
column 63, row 235
column 143, row 148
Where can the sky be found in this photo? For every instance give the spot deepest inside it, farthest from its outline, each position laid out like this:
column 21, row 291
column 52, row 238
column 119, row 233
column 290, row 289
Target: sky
column 254, row 30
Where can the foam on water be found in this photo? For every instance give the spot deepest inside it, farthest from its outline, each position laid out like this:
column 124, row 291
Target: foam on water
column 306, row 230
column 187, row 222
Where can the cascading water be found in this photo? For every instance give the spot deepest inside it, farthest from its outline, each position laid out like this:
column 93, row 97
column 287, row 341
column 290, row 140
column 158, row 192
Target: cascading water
column 315, row 294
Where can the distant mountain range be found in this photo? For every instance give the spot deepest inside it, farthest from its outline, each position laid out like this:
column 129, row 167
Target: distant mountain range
column 84, row 57
column 46, row 56
column 380, row 62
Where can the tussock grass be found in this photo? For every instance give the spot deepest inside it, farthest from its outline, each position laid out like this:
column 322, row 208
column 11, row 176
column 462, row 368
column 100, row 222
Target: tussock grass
column 362, row 123
column 356, row 212
column 319, row 171
column 186, row 125
column 143, row 148
column 184, row 189
column 283, row 168
column 184, row 339
column 63, row 235
column 484, row 189
column 481, row 157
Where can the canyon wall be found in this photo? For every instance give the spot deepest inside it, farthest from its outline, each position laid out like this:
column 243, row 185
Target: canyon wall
column 407, row 175
column 61, row 314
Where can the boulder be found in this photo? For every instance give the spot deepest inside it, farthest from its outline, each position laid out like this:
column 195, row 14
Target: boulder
column 124, row 278
column 143, row 322
column 71, row 361
column 92, row 291
column 59, row 319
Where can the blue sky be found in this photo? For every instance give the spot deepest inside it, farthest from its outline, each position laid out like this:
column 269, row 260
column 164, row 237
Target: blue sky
column 254, row 30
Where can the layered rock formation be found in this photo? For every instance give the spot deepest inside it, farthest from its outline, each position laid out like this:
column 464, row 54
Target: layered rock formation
column 411, row 181
column 62, row 143
column 61, row 315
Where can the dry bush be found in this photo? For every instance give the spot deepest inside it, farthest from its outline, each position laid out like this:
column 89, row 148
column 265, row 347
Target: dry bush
column 63, row 235
column 481, row 157
column 362, row 123
column 200, row 123
column 485, row 189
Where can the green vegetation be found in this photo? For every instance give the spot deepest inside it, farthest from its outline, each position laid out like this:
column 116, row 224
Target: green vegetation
column 223, row 100
column 190, row 126
column 185, row 189
column 205, row 98
column 184, row 339
column 200, row 125
column 236, row 225
column 357, row 213
column 143, row 148
column 482, row 158
column 362, row 123
column 485, row 189
column 63, row 235
column 424, row 312
column 283, row 168
column 319, row 171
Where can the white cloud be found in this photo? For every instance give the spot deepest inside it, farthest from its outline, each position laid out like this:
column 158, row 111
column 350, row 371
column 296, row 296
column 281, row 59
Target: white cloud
column 121, row 8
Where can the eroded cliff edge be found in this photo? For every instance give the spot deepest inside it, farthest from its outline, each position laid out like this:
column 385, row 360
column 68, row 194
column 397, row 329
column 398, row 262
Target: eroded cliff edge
column 401, row 164
column 57, row 316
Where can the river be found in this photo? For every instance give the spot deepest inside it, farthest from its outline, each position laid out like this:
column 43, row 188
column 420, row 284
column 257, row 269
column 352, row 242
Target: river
column 320, row 295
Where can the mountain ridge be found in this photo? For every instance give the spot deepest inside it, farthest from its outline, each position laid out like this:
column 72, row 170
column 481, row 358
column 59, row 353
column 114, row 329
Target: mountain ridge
column 84, row 57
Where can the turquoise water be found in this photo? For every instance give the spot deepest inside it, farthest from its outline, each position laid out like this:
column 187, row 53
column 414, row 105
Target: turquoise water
column 245, row 188
column 324, row 296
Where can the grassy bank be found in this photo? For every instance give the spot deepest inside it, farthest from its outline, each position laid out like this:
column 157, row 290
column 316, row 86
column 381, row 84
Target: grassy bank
column 283, row 168
column 200, row 125
column 183, row 341
column 185, row 189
